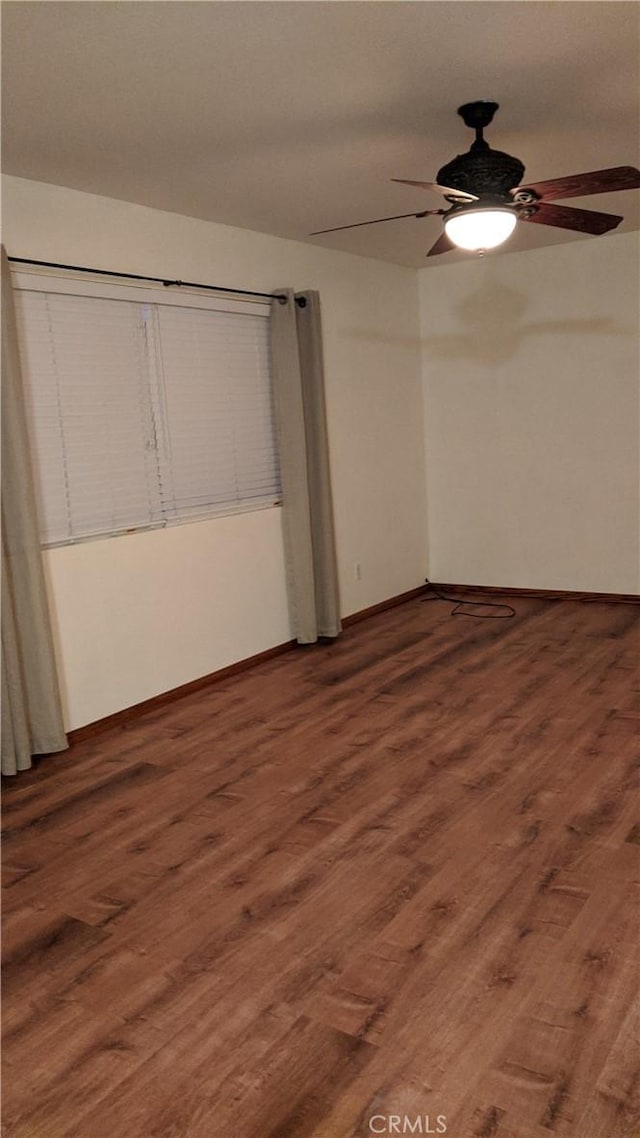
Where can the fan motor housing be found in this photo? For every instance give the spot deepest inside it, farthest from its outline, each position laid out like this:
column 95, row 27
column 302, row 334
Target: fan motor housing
column 482, row 171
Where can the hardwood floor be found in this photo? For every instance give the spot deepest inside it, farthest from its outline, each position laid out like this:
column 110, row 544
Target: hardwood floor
column 381, row 886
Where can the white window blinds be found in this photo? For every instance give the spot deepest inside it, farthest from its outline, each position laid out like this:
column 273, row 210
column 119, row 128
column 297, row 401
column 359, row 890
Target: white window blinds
column 220, row 436
column 141, row 412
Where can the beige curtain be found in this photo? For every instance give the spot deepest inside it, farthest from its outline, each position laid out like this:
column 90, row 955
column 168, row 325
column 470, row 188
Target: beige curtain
column 298, row 379
column 31, row 713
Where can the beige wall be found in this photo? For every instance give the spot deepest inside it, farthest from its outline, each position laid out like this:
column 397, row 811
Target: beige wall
column 530, row 370
column 140, row 614
column 144, row 613
column 530, row 382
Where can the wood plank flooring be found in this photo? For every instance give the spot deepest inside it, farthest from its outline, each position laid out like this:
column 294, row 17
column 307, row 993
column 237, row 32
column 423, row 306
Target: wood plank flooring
column 384, row 885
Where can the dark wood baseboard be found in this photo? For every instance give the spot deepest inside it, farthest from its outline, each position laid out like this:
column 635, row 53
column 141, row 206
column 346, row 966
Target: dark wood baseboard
column 390, row 603
column 120, row 718
column 540, row 594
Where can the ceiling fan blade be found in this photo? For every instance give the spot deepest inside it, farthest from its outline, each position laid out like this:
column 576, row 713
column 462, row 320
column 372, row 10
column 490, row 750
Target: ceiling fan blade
column 567, row 217
column 442, row 245
column 445, row 190
column 595, row 182
column 377, row 220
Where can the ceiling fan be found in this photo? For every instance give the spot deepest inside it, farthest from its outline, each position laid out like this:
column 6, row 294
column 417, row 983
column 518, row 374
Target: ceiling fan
column 486, row 199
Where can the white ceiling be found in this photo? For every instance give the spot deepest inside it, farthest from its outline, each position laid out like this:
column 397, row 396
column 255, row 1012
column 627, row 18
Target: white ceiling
column 286, row 117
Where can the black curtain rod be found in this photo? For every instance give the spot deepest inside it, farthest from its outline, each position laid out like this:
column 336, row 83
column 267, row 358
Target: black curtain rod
column 157, row 280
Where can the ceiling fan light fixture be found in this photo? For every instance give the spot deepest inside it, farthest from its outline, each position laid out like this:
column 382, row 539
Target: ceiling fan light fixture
column 479, row 229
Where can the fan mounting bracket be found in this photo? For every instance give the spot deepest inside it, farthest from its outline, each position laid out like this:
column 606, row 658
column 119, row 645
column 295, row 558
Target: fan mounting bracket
column 477, row 115
column 525, row 197
column 526, row 211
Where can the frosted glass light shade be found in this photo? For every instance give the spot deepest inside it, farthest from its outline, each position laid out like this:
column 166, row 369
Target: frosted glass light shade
column 476, row 229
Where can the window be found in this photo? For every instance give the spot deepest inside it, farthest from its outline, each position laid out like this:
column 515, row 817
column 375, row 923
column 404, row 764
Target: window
column 145, row 408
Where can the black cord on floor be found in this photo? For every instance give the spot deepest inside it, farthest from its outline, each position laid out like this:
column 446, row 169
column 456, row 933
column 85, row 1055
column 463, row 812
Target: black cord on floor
column 460, row 605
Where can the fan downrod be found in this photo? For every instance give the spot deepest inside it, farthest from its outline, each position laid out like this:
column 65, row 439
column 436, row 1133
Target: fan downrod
column 481, row 171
